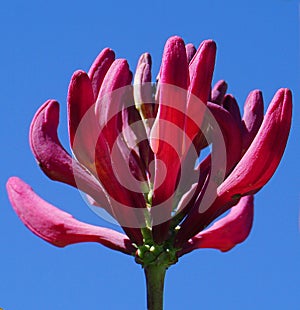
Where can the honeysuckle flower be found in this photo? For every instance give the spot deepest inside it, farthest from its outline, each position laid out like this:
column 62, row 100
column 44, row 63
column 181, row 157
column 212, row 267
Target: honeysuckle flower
column 136, row 155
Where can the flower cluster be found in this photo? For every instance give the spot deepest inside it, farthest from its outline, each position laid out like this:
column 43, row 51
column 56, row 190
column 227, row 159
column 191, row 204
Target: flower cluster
column 138, row 155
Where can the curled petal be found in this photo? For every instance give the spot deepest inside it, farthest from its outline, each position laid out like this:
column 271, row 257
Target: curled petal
column 99, row 69
column 56, row 226
column 252, row 118
column 54, row 160
column 227, row 232
column 264, row 154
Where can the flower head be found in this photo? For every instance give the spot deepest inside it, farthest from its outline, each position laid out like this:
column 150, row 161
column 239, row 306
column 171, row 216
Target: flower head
column 137, row 151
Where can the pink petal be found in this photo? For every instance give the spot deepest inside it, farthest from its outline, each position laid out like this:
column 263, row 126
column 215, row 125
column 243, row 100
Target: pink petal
column 227, row 232
column 80, row 100
column 56, row 226
column 167, row 132
column 252, row 118
column 264, row 154
column 124, row 201
column 172, row 95
column 174, row 66
column 54, row 160
column 109, row 107
column 99, row 69
column 200, row 217
column 109, row 102
column 253, row 170
column 201, row 70
column 230, row 129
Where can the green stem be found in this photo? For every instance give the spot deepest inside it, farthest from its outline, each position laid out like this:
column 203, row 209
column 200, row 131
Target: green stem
column 155, row 279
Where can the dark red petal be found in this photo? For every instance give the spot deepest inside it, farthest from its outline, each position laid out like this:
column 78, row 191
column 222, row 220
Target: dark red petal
column 135, row 136
column 231, row 134
column 56, row 226
column 190, row 51
column 227, row 232
column 99, row 69
column 231, row 105
column 218, row 92
column 252, row 118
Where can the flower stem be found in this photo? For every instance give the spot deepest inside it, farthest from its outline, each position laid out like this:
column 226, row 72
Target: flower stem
column 155, row 278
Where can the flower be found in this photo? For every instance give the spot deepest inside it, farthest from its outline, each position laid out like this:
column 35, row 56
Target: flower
column 136, row 154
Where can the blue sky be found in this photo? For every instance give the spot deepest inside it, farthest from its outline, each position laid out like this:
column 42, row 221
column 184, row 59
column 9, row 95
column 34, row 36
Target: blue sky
column 42, row 44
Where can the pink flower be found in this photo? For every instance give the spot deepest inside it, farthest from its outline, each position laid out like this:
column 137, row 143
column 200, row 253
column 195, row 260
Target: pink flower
column 136, row 149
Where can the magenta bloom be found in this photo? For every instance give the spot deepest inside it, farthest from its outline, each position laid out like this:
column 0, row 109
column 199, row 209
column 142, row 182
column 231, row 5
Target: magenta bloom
column 136, row 155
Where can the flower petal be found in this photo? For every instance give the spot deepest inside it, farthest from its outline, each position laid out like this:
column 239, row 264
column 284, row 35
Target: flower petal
column 252, row 118
column 253, row 170
column 264, row 154
column 80, row 100
column 99, row 69
column 167, row 132
column 109, row 102
column 136, row 137
column 201, row 70
column 143, row 90
column 54, row 160
column 231, row 133
column 227, row 232
column 56, row 226
column 218, row 92
column 232, row 107
column 190, row 51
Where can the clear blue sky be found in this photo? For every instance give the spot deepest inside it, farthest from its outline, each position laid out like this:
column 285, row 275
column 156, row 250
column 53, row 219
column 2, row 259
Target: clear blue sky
column 42, row 44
